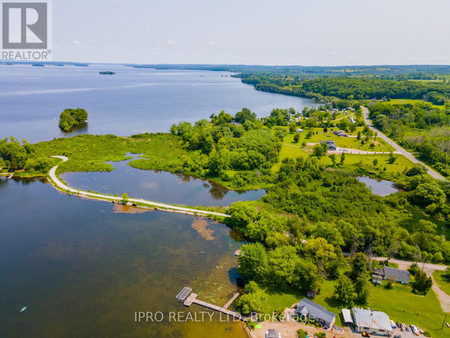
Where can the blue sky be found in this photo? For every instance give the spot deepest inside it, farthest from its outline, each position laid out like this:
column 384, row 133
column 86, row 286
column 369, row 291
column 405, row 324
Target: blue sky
column 282, row 32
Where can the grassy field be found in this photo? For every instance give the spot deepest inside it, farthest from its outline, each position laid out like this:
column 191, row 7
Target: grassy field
column 403, row 306
column 352, row 161
column 89, row 152
column 443, row 283
column 343, row 142
column 399, row 303
column 406, row 101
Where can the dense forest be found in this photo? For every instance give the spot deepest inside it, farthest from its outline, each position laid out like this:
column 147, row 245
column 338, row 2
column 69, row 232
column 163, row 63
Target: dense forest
column 420, row 127
column 350, row 88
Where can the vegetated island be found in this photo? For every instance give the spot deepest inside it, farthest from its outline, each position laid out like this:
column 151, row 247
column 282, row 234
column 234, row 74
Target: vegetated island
column 106, row 73
column 71, row 118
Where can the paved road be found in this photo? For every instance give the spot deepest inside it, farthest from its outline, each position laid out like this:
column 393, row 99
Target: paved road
column 77, row 192
column 397, row 147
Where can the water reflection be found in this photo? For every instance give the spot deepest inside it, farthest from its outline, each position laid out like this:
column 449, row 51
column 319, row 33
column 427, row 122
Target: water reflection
column 84, row 270
column 158, row 186
column 378, row 187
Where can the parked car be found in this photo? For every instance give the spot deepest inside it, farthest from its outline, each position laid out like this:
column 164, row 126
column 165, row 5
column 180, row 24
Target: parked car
column 414, row 330
column 393, row 324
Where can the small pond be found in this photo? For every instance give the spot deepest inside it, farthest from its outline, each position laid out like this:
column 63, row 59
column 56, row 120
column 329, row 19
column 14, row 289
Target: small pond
column 158, row 186
column 378, row 187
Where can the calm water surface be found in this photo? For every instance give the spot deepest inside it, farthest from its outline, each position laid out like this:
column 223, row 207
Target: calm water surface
column 157, row 186
column 83, row 269
column 378, row 187
column 130, row 102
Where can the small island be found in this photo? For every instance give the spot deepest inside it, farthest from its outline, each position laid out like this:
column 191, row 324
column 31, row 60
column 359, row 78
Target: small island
column 71, row 118
column 106, row 73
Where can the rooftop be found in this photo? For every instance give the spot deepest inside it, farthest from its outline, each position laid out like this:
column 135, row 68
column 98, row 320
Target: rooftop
column 371, row 319
column 395, row 272
column 307, row 307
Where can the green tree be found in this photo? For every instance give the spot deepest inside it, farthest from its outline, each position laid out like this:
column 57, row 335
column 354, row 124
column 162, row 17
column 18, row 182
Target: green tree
column 333, row 159
column 124, row 198
column 416, row 169
column 318, row 150
column 296, row 137
column 392, row 158
column 359, row 266
column 342, row 158
column 292, row 127
column 428, row 193
column 362, row 288
column 253, row 262
column 250, row 301
column 422, row 283
column 324, row 147
column 245, row 115
column 320, row 251
column 344, row 291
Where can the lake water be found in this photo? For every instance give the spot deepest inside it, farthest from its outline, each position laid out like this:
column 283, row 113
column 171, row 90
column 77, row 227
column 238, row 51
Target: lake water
column 157, row 186
column 130, row 102
column 84, row 269
column 378, row 187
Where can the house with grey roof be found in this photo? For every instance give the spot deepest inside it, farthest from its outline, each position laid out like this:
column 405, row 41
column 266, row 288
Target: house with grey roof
column 373, row 322
column 307, row 309
column 331, row 145
column 396, row 275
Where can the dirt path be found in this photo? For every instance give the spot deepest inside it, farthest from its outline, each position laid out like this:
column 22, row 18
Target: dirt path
column 168, row 207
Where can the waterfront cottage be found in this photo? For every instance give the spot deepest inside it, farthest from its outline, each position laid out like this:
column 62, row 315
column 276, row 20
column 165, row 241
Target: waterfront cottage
column 310, row 310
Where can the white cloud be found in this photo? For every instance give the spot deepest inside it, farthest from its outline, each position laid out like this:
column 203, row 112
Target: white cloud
column 76, row 42
column 172, row 42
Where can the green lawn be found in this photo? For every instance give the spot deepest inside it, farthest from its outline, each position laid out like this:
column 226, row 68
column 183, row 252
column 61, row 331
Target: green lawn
column 352, row 161
column 443, row 283
column 399, row 303
column 275, row 300
column 344, row 142
column 405, row 101
column 402, row 305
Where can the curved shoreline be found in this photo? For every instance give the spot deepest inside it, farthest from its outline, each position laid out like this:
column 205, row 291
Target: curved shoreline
column 94, row 196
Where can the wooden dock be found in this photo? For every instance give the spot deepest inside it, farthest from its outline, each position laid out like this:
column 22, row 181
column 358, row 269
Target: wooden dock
column 192, row 299
column 227, row 305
